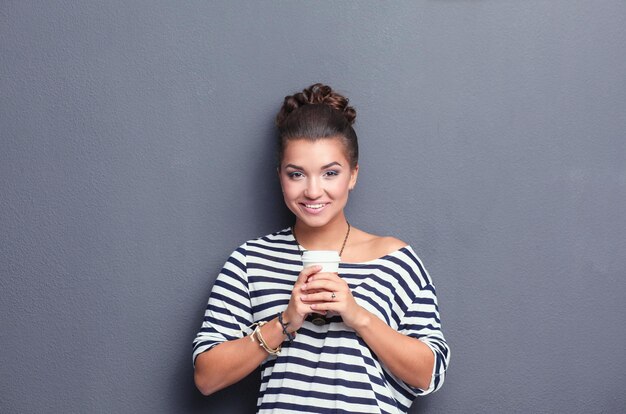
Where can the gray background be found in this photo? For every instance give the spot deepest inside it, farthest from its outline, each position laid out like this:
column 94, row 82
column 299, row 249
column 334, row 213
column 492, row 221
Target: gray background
column 137, row 153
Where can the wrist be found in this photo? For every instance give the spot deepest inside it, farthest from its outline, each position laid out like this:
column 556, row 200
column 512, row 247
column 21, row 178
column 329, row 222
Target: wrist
column 272, row 333
column 285, row 325
column 363, row 320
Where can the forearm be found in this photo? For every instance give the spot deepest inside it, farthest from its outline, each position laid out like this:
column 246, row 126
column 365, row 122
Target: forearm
column 407, row 358
column 231, row 361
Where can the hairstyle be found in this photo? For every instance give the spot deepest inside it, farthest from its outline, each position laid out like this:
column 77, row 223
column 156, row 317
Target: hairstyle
column 315, row 113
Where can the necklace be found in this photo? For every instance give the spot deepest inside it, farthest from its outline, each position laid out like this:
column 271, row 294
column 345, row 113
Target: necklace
column 343, row 246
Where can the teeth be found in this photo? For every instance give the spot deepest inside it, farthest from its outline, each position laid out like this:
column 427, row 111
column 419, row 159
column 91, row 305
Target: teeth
column 314, row 205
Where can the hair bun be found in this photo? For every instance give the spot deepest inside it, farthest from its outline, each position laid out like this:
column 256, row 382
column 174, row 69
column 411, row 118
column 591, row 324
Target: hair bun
column 316, row 94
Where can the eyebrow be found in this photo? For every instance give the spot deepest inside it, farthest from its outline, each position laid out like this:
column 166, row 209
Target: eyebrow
column 297, row 167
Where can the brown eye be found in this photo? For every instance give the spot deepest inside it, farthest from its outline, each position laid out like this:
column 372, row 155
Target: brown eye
column 295, row 175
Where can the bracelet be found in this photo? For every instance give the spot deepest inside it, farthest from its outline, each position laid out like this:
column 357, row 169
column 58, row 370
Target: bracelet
column 257, row 333
column 284, row 325
column 251, row 334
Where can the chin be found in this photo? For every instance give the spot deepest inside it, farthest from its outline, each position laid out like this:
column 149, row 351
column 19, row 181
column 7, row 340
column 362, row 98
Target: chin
column 315, row 222
column 312, row 223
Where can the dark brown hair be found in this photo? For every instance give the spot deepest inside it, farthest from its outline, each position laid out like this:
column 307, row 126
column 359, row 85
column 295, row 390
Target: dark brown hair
column 315, row 113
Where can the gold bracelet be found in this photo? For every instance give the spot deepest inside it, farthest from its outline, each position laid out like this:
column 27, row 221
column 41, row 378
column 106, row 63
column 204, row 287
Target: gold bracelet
column 250, row 335
column 261, row 340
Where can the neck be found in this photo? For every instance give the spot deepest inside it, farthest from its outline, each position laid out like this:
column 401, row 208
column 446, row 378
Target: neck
column 328, row 237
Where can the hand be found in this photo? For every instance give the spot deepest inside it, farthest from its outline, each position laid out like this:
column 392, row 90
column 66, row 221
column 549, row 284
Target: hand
column 324, row 292
column 297, row 310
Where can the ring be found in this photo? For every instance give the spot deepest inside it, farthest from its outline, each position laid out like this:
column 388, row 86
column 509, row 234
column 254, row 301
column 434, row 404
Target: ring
column 333, row 296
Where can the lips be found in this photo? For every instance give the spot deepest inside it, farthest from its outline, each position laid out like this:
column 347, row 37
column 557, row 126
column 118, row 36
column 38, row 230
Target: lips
column 313, row 208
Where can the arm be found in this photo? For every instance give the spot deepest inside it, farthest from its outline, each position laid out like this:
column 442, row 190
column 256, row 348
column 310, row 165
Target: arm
column 410, row 359
column 230, row 361
column 407, row 358
column 233, row 360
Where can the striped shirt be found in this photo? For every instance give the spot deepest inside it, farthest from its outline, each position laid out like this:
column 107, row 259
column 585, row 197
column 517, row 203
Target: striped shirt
column 328, row 368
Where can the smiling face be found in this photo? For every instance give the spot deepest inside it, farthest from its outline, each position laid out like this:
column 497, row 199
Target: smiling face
column 316, row 178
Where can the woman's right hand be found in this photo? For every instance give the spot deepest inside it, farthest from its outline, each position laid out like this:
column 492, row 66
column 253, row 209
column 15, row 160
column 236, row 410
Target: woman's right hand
column 297, row 310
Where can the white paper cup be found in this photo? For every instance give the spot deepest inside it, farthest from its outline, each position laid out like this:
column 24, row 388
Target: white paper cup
column 329, row 260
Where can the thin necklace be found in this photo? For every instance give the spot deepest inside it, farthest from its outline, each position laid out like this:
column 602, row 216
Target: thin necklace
column 343, row 246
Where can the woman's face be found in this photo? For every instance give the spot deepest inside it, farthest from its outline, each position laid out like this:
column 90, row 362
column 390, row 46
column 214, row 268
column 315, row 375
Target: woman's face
column 316, row 178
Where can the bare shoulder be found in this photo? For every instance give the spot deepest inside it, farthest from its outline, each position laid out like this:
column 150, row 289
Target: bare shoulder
column 367, row 246
column 389, row 244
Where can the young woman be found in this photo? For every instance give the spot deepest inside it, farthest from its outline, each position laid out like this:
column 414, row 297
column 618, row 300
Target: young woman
column 382, row 344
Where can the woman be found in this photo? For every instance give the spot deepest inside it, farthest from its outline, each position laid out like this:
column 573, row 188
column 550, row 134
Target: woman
column 382, row 344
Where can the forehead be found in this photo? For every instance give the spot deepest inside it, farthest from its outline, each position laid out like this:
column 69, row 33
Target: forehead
column 310, row 153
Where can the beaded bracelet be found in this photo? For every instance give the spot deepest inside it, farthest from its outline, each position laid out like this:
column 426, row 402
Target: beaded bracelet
column 284, row 325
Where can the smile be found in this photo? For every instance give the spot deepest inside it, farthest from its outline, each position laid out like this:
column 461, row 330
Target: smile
column 313, row 208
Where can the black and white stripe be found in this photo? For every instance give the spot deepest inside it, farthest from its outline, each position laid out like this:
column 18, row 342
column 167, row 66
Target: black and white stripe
column 327, row 368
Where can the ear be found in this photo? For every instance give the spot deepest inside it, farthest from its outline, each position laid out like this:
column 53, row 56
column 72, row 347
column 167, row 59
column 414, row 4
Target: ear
column 354, row 173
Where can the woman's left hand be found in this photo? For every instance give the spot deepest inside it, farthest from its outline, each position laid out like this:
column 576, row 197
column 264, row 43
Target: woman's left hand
column 327, row 292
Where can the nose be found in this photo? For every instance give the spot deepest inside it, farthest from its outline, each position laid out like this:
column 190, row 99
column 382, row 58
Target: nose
column 313, row 189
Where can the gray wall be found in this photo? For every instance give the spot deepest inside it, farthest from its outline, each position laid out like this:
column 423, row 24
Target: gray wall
column 137, row 153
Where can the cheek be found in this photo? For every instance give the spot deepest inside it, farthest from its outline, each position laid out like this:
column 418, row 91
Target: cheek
column 340, row 187
column 290, row 189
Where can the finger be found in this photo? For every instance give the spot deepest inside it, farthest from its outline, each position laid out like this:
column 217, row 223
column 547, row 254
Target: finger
column 325, row 307
column 302, row 309
column 328, row 285
column 308, row 271
column 305, row 310
column 319, row 297
column 323, row 276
